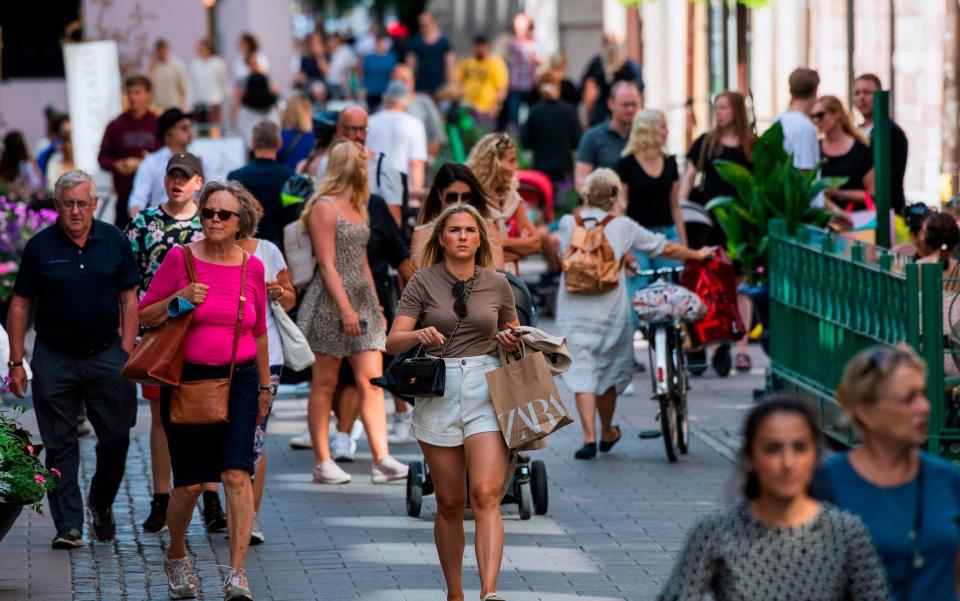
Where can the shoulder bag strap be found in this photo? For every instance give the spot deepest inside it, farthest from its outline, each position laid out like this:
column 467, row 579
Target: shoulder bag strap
column 610, row 217
column 191, row 266
column 293, row 145
column 243, row 301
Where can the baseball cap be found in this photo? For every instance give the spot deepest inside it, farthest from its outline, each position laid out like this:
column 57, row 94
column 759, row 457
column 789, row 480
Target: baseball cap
column 186, row 162
column 168, row 119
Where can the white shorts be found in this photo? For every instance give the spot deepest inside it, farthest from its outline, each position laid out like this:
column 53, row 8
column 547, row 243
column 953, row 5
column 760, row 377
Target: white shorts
column 465, row 408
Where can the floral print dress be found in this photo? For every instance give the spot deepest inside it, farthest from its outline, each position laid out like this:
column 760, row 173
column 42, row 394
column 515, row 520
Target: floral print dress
column 152, row 233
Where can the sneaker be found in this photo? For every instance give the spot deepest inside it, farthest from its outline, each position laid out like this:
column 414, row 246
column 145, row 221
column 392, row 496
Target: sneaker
column 629, row 390
column 388, row 469
column 400, row 432
column 235, row 586
column 343, row 448
column 356, row 431
column 329, row 472
column 104, row 526
column 157, row 520
column 68, row 539
column 213, row 517
column 301, row 441
column 182, row 582
column 256, row 534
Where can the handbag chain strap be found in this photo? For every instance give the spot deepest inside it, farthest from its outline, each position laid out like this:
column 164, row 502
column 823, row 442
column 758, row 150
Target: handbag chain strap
column 191, row 268
column 470, row 284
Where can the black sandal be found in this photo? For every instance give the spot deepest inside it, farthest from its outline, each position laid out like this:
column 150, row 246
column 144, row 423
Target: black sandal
column 587, row 451
column 743, row 362
column 606, row 446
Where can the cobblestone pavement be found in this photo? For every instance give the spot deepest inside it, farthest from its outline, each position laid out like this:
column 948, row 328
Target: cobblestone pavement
column 614, row 523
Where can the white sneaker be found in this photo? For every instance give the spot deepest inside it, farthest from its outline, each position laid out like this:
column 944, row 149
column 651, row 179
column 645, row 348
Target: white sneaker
column 356, row 431
column 400, row 430
column 256, row 534
column 388, row 469
column 343, row 448
column 629, row 390
column 301, row 441
column 329, row 472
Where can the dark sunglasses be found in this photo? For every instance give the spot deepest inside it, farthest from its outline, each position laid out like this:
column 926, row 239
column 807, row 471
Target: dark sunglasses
column 818, row 115
column 885, row 360
column 461, row 296
column 453, row 197
column 223, row 214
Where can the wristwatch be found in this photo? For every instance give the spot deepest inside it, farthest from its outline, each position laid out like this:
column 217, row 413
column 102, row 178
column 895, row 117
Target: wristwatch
column 12, row 364
column 272, row 388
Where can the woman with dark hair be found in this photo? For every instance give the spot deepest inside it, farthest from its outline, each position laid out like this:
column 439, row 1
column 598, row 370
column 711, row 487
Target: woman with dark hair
column 17, row 169
column 909, row 500
column 939, row 238
column 453, row 184
column 779, row 542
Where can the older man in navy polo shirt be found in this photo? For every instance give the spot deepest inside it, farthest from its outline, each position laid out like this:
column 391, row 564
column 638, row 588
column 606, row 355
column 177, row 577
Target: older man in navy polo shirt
column 602, row 144
column 82, row 277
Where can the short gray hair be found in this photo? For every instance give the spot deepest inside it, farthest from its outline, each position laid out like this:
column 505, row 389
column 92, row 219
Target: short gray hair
column 601, row 188
column 250, row 208
column 72, row 179
column 265, row 135
column 396, row 93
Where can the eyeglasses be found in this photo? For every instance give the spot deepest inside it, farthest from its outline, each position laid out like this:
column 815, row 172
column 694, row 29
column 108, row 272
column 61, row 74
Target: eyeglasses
column 885, row 360
column 455, row 197
column 461, row 295
column 75, row 204
column 818, row 115
column 355, row 129
column 223, row 214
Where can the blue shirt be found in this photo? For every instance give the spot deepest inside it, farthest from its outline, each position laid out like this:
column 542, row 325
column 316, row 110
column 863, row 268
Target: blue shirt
column 376, row 72
column 431, row 72
column 889, row 514
column 291, row 155
column 600, row 146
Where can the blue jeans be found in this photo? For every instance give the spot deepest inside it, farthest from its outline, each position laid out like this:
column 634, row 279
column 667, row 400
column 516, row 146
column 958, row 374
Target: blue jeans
column 646, row 263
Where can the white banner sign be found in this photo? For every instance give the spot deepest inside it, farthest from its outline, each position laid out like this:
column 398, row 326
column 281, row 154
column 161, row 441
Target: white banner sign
column 93, row 96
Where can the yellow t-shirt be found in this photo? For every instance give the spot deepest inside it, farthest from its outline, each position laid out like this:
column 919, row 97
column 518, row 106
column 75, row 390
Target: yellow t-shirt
column 481, row 78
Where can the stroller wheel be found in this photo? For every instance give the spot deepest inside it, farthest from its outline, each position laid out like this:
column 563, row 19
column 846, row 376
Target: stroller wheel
column 525, row 502
column 415, row 479
column 538, row 483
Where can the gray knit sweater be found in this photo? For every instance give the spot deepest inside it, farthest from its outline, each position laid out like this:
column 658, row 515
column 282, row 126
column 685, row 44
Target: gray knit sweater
column 738, row 558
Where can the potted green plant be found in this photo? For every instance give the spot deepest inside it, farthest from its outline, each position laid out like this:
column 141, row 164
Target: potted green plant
column 773, row 189
column 23, row 477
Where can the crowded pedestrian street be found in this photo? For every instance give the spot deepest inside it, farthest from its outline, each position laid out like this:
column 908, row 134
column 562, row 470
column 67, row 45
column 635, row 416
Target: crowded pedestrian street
column 611, row 532
column 480, row 299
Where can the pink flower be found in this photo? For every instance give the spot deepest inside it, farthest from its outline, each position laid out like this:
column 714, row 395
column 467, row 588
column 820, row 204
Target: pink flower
column 30, row 448
column 55, row 472
column 40, row 479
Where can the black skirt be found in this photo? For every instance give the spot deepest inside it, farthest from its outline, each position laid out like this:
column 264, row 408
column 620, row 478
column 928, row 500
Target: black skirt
column 200, row 453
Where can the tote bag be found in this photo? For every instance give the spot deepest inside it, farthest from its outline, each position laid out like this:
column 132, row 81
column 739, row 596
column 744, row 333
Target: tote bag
column 297, row 354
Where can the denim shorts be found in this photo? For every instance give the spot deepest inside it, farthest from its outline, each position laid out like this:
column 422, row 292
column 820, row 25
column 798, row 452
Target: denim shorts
column 465, row 408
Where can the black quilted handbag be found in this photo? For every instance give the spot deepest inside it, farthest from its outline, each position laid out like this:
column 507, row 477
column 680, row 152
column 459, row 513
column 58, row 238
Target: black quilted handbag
column 422, row 376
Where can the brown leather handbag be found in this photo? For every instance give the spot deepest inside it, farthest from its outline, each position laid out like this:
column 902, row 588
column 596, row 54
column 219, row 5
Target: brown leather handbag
column 157, row 360
column 207, row 401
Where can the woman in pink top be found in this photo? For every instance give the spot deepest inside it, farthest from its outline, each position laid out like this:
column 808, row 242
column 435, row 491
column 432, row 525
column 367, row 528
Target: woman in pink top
column 218, row 452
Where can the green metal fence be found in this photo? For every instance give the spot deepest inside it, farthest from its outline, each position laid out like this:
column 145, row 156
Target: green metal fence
column 831, row 297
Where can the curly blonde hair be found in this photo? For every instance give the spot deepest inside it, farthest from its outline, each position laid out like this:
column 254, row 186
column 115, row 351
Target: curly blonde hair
column 484, row 161
column 432, row 252
column 601, row 188
column 645, row 139
column 347, row 167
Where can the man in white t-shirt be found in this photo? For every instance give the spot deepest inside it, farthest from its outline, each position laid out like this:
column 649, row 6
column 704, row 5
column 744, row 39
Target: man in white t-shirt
column 400, row 136
column 800, row 137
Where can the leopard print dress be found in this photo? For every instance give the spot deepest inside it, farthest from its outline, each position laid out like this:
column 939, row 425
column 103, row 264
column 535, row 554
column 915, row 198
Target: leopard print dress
column 319, row 315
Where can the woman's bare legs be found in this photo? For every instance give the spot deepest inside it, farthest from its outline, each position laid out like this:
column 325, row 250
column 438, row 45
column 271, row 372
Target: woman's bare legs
column 449, row 474
column 366, row 365
column 486, row 457
column 159, row 452
column 322, row 387
column 587, row 408
column 183, row 500
column 606, row 406
column 239, row 493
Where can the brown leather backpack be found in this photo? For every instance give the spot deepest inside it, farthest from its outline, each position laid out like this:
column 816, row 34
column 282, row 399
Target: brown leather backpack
column 589, row 264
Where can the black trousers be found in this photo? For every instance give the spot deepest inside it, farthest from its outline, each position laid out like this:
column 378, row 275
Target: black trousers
column 62, row 384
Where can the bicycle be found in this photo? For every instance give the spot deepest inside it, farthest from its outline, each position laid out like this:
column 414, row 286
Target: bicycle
column 668, row 373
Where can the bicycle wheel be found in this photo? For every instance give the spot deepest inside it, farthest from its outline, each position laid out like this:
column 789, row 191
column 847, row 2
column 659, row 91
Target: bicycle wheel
column 680, row 397
column 668, row 425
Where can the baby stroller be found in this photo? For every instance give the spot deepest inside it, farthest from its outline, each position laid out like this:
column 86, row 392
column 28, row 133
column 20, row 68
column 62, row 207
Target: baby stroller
column 536, row 190
column 527, row 488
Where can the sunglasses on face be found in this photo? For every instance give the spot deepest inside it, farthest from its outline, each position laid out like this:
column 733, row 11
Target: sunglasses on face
column 223, row 214
column 818, row 115
column 455, row 197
